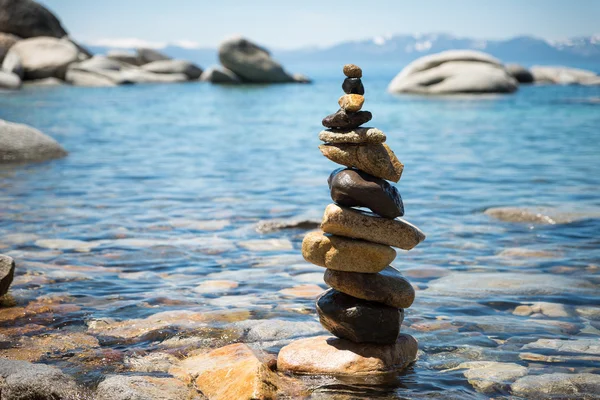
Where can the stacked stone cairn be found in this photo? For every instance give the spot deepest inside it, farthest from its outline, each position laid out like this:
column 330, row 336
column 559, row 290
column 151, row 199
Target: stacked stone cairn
column 366, row 302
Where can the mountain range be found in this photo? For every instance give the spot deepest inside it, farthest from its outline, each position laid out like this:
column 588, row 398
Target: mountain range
column 405, row 48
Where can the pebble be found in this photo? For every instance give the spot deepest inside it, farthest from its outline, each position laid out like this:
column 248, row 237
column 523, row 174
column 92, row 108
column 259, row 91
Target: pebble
column 352, row 223
column 353, row 86
column 352, row 71
column 326, row 355
column 356, row 136
column 343, row 254
column 343, row 120
column 375, row 159
column 388, row 287
column 358, row 320
column 351, row 103
column 355, row 188
column 490, row 376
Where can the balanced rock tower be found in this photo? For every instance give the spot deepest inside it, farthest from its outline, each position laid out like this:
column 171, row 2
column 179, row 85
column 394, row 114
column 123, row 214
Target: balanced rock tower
column 365, row 306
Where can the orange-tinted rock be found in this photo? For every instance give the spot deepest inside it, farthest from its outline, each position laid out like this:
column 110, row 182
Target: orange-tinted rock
column 375, row 159
column 351, row 102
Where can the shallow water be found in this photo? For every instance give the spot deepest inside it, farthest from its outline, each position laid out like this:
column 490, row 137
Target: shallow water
column 164, row 186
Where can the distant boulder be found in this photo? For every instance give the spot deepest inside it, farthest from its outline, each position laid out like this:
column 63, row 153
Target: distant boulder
column 454, row 72
column 123, row 56
column 251, row 62
column 7, row 40
column 146, row 56
column 191, row 70
column 42, row 57
column 22, row 143
column 520, row 73
column 27, row 19
column 9, row 81
column 221, row 75
column 564, row 76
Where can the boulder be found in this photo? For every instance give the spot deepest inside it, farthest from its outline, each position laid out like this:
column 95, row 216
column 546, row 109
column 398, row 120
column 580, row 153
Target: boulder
column 22, row 143
column 6, row 42
column 9, row 80
column 219, row 75
column 12, row 63
column 452, row 72
column 7, row 273
column 43, row 57
column 45, row 82
column 137, row 75
column 520, row 73
column 97, row 71
column 491, row 376
column 251, row 62
column 187, row 68
column 26, row 18
column 564, row 75
column 146, row 56
column 123, row 56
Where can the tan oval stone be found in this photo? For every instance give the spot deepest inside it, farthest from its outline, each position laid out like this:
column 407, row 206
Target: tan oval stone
column 357, row 224
column 356, row 136
column 343, row 254
column 352, row 71
column 333, row 356
column 375, row 159
column 388, row 287
column 351, row 102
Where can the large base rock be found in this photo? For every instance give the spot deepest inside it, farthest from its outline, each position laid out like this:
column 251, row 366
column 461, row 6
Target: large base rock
column 326, row 355
column 22, row 143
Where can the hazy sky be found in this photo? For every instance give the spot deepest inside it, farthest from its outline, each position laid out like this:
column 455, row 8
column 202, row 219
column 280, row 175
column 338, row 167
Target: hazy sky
column 297, row 23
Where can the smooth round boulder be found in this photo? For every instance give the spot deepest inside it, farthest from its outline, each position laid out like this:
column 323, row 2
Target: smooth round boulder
column 520, row 73
column 6, row 42
column 45, row 57
column 454, row 72
column 388, row 287
column 356, row 135
column 7, row 273
column 351, row 103
column 22, row 143
column 375, row 159
column 355, row 188
column 343, row 120
column 220, row 75
column 123, row 56
column 187, row 68
column 26, row 19
column 353, row 86
column 358, row 320
column 344, row 254
column 327, row 355
column 146, row 55
column 251, row 62
column 564, row 76
column 9, row 81
column 357, row 224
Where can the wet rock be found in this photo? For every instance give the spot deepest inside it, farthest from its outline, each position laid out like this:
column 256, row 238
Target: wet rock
column 352, row 223
column 343, row 120
column 221, row 75
column 489, row 284
column 273, row 330
column 556, row 350
column 307, row 291
column 388, row 286
column 352, row 71
column 558, row 385
column 9, row 81
column 153, row 362
column 375, row 159
column 333, row 356
column 343, row 254
column 351, row 103
column 230, row 372
column 592, row 313
column 216, row 286
column 7, row 273
column 356, row 136
column 36, row 347
column 520, row 73
column 355, row 188
column 358, row 320
column 353, row 86
column 187, row 68
column 26, row 381
column 26, row 18
column 490, row 376
column 552, row 310
column 539, row 215
column 286, row 223
column 267, row 244
column 22, row 143
column 121, row 387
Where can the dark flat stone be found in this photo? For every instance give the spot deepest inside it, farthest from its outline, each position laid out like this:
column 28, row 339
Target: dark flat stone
column 358, row 320
column 353, row 86
column 344, row 120
column 355, row 188
column 388, row 287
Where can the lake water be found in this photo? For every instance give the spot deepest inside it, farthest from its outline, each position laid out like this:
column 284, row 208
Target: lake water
column 164, row 186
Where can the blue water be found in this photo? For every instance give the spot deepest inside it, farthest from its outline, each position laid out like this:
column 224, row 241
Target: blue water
column 154, row 163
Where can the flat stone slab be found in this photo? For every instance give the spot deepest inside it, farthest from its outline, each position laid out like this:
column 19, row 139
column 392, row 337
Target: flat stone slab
column 375, row 159
column 344, row 254
column 327, row 355
column 388, row 286
column 352, row 223
column 356, row 135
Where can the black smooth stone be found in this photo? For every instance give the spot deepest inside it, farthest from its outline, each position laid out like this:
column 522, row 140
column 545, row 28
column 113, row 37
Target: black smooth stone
column 359, row 320
column 343, row 120
column 353, row 86
column 355, row 188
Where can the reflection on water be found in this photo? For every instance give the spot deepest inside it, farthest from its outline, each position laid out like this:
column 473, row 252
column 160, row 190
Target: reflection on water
column 164, row 186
